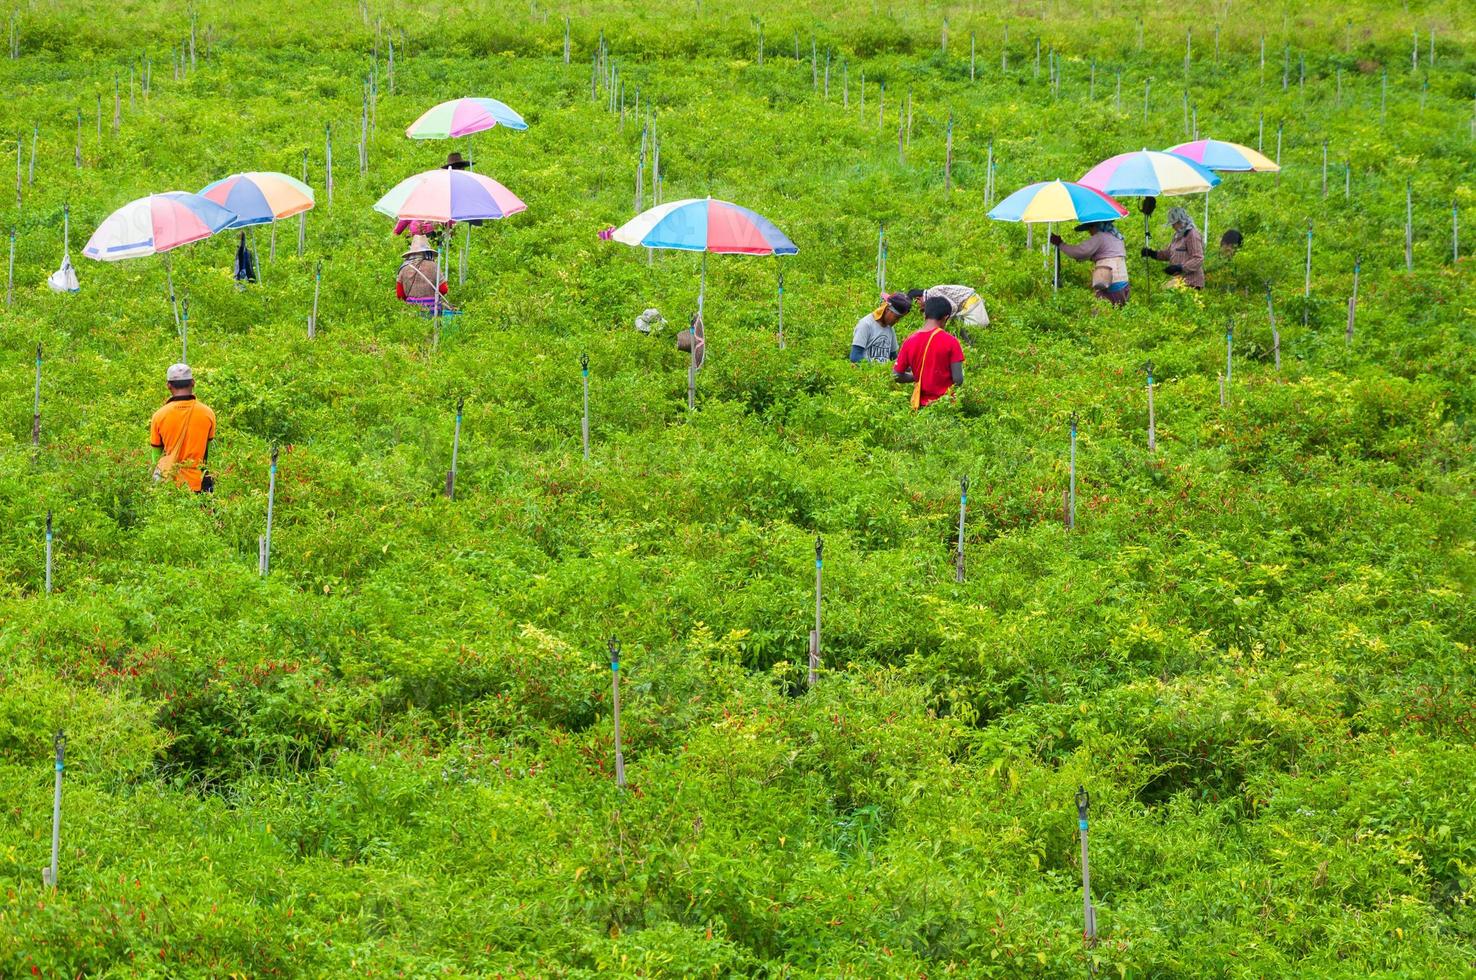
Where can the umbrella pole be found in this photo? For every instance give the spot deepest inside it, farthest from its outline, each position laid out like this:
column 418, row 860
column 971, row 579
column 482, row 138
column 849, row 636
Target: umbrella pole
column 692, row 361
column 1147, row 243
column 1205, row 234
column 702, row 284
column 169, row 281
column 1056, row 270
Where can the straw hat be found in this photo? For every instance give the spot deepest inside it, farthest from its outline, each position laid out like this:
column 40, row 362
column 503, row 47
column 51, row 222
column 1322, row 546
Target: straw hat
column 418, row 244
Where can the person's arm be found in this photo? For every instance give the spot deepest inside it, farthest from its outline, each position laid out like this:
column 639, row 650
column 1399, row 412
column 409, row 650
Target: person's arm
column 1086, row 250
column 444, row 286
column 156, row 440
column 399, row 289
column 857, row 353
column 902, row 369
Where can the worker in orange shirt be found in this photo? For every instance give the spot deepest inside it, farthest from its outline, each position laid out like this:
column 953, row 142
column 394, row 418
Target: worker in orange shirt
column 180, row 432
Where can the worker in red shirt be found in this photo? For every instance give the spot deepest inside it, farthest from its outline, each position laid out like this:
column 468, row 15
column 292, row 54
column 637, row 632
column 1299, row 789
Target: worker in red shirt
column 931, row 360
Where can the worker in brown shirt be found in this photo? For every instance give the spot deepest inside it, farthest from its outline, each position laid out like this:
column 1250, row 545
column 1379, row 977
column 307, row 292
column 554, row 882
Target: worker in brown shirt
column 1105, row 250
column 1185, row 254
column 419, row 279
column 180, row 433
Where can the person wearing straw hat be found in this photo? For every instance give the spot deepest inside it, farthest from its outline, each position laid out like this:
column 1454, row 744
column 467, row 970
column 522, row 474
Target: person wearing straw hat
column 875, row 338
column 1185, row 254
column 180, row 433
column 1103, row 248
column 419, row 279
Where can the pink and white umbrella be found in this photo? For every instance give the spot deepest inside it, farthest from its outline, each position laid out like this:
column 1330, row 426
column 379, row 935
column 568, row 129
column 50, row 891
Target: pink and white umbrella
column 155, row 224
column 462, row 117
column 449, row 195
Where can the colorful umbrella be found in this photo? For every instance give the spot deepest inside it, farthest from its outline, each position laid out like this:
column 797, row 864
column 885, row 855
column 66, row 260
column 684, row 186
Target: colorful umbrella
column 462, row 117
column 154, row 224
column 1057, row 200
column 1216, row 155
column 449, row 195
column 705, row 225
column 260, row 198
column 1148, row 173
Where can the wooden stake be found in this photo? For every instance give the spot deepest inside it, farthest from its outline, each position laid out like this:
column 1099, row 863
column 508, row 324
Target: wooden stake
column 48, row 558
column 59, row 744
column 36, row 404
column 1152, row 423
column 1071, row 500
column 1275, row 334
column 1353, row 302
column 328, row 160
column 963, row 506
column 948, row 158
column 456, row 446
column 815, row 635
column 614, row 647
column 266, row 550
column 1409, row 226
column 317, row 287
column 584, row 423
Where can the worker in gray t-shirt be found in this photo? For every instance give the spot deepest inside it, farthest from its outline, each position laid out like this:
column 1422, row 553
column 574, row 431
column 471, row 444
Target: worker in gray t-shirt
column 874, row 338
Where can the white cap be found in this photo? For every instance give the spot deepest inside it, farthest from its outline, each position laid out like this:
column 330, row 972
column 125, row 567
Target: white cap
column 179, row 372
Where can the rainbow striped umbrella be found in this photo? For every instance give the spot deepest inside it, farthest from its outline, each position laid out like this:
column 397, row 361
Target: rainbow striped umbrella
column 462, row 117
column 449, row 195
column 705, row 224
column 1217, row 155
column 1057, row 200
column 1149, row 173
column 154, row 224
column 700, row 224
column 260, row 198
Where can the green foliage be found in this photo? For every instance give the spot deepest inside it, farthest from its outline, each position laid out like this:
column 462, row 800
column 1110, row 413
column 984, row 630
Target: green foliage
column 395, row 754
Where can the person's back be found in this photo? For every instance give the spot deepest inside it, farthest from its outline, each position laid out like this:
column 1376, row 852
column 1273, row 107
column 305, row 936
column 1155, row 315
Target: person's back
column 180, row 433
column 417, row 279
column 932, row 355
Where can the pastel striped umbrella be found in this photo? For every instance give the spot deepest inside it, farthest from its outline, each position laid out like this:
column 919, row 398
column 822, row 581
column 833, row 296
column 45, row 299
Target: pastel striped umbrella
column 699, row 224
column 260, row 198
column 1218, row 155
column 462, row 117
column 449, row 195
column 154, row 224
column 705, row 224
column 1057, row 200
column 1149, row 173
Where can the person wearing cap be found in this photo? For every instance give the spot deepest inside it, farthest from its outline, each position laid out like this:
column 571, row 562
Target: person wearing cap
column 874, row 338
column 932, row 358
column 180, row 433
column 1185, row 254
column 968, row 306
column 1105, row 250
column 454, row 161
column 419, row 279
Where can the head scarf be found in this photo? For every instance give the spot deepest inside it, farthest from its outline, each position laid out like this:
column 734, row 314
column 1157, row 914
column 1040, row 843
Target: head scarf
column 1110, row 229
column 1178, row 216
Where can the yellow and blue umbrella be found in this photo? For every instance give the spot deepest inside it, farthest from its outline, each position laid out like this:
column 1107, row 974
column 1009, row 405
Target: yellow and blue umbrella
column 1149, row 173
column 1057, row 200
